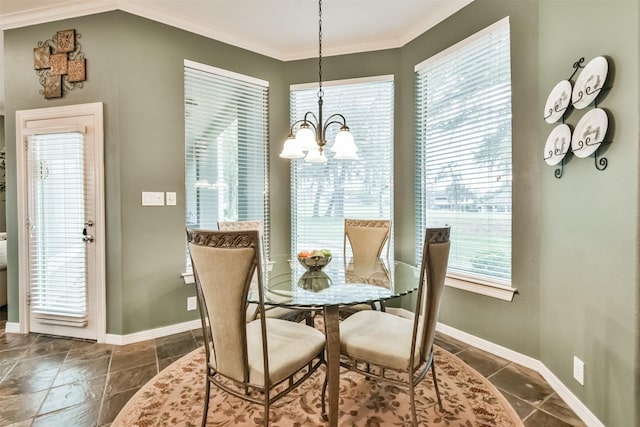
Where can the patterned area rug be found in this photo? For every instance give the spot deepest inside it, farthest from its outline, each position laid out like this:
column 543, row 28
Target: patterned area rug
column 174, row 398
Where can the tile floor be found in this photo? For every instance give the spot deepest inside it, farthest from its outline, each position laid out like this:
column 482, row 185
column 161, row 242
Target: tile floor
column 49, row 381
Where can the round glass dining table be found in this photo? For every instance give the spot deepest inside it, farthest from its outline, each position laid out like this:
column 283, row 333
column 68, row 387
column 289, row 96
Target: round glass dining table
column 343, row 282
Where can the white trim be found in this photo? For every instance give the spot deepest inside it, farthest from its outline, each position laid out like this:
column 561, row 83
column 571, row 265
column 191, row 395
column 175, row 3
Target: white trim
column 501, row 292
column 95, row 110
column 225, row 73
column 562, row 390
column 446, row 10
column 354, row 81
column 152, row 333
column 88, row 7
column 38, row 130
column 55, row 12
column 496, row 25
column 12, row 328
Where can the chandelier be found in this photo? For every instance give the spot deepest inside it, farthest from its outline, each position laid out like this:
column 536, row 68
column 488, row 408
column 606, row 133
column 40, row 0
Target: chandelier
column 310, row 136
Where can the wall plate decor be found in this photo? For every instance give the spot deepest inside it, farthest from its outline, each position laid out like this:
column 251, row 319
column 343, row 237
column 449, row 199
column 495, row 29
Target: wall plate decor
column 558, row 101
column 557, row 145
column 589, row 133
column 60, row 64
column 590, row 82
column 591, row 129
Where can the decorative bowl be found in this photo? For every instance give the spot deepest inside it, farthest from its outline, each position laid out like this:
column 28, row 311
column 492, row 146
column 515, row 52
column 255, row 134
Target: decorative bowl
column 315, row 262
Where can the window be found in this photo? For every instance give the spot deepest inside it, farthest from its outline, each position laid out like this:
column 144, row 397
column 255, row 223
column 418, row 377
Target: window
column 463, row 173
column 323, row 194
column 226, row 134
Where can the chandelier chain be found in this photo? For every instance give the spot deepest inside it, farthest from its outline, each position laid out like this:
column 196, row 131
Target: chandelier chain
column 320, row 91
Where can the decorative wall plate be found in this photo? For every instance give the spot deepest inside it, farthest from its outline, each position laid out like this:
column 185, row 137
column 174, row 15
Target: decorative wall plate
column 557, row 102
column 589, row 132
column 557, row 145
column 590, row 82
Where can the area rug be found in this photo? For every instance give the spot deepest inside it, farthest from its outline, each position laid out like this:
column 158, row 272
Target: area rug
column 174, row 398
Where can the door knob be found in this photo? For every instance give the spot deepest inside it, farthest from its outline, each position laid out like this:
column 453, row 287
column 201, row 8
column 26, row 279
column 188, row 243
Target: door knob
column 87, row 238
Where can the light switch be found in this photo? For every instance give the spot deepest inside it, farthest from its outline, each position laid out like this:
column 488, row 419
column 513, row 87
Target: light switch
column 152, row 198
column 171, row 198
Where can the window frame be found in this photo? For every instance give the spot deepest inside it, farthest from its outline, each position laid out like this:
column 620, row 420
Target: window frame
column 489, row 286
column 243, row 79
column 389, row 78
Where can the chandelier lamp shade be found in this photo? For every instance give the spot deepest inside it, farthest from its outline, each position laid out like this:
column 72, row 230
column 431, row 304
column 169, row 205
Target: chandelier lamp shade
column 308, row 135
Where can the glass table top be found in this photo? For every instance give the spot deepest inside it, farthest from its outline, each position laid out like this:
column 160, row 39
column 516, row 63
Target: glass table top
column 287, row 283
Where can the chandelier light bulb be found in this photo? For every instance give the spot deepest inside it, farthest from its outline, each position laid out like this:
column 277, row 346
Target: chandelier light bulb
column 314, row 156
column 305, row 138
column 291, row 149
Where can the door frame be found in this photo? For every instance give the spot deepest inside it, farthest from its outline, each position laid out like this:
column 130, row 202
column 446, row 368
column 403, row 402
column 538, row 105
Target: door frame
column 95, row 110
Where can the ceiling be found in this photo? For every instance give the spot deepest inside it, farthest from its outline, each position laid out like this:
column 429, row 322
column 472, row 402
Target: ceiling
column 282, row 29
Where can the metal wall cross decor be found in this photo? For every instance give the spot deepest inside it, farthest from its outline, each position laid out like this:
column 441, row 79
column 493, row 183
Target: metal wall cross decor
column 60, row 64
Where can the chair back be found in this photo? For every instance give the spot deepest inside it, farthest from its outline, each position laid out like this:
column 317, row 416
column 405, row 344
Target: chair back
column 224, row 263
column 241, row 226
column 433, row 271
column 367, row 237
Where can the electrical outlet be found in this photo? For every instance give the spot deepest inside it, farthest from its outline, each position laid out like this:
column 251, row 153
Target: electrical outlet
column 192, row 303
column 578, row 370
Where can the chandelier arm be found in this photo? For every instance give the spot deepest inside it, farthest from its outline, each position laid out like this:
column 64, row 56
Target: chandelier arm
column 293, row 125
column 328, row 123
column 344, row 120
column 306, row 119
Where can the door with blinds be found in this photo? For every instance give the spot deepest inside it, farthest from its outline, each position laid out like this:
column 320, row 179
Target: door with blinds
column 63, row 223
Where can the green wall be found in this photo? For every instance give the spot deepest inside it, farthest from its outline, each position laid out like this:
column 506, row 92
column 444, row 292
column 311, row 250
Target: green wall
column 574, row 239
column 588, row 232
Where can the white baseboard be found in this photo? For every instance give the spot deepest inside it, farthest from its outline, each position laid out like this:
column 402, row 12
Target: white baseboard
column 152, row 333
column 12, row 328
column 529, row 362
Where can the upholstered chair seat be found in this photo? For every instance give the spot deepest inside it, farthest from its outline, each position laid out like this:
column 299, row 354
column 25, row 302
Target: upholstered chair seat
column 378, row 337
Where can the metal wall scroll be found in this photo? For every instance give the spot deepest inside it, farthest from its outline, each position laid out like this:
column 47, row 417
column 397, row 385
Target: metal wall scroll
column 591, row 129
column 60, row 64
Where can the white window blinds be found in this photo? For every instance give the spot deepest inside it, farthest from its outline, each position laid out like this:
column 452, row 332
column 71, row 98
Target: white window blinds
column 58, row 276
column 322, row 195
column 226, row 130
column 463, row 173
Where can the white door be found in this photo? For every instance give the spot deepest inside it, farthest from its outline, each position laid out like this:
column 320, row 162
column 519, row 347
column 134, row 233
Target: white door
column 63, row 221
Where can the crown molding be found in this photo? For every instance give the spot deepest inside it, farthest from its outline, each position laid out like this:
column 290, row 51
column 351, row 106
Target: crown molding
column 57, row 12
column 172, row 20
column 430, row 21
column 51, row 13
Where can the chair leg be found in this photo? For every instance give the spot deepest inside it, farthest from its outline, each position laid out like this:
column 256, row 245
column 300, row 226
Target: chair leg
column 323, row 411
column 266, row 408
column 435, row 384
column 412, row 401
column 309, row 318
column 207, row 394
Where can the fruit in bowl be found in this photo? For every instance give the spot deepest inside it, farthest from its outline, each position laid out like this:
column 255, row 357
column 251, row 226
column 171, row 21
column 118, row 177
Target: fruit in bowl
column 314, row 259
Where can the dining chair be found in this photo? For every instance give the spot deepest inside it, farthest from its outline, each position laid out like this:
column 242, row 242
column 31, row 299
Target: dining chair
column 252, row 309
column 366, row 237
column 397, row 344
column 246, row 359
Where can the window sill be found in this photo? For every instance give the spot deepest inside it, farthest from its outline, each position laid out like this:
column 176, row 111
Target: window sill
column 504, row 293
column 188, row 278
